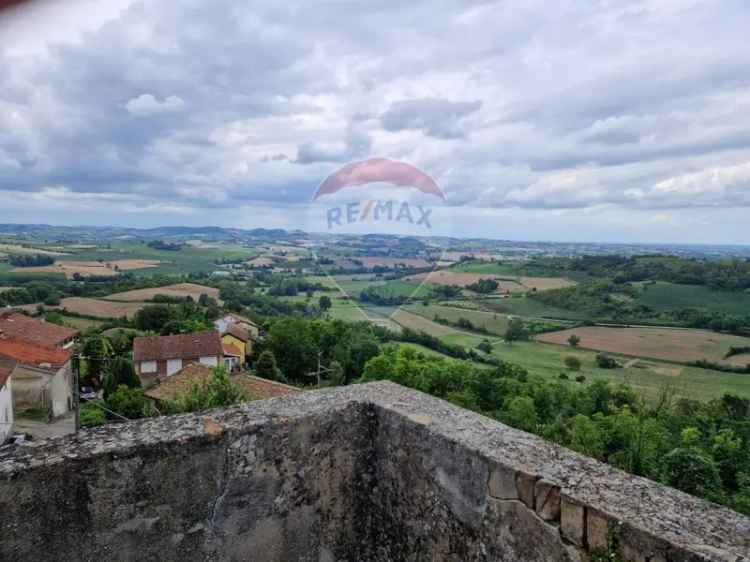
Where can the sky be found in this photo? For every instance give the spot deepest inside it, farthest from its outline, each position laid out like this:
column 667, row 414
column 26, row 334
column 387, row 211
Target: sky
column 600, row 120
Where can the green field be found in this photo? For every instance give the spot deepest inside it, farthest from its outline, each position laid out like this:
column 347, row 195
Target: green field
column 530, row 308
column 187, row 260
column 495, row 323
column 647, row 376
column 664, row 296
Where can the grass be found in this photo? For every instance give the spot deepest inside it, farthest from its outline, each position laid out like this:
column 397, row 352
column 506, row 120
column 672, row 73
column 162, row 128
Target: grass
column 648, row 377
column 528, row 307
column 81, row 323
column 495, row 323
column 664, row 296
column 187, row 260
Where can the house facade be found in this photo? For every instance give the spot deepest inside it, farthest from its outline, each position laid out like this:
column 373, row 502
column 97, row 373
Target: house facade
column 42, row 378
column 6, row 403
column 239, row 332
column 159, row 357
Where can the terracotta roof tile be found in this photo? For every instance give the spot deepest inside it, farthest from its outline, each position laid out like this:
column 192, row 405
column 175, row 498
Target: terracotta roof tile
column 22, row 327
column 180, row 346
column 33, row 355
column 183, row 380
column 238, row 332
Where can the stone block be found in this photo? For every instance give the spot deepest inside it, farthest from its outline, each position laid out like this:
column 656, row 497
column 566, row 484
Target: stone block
column 502, row 485
column 525, row 487
column 573, row 521
column 547, row 500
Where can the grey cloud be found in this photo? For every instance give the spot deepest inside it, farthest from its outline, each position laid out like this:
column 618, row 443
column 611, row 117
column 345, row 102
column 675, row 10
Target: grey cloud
column 435, row 117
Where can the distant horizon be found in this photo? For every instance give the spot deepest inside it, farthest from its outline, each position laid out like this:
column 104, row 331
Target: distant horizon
column 290, row 230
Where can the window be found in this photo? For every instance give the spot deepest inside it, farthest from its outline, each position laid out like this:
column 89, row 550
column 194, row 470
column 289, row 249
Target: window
column 148, row 366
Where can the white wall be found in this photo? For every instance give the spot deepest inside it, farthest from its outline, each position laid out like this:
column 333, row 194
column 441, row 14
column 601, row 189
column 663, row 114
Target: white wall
column 209, row 361
column 6, row 411
column 148, row 367
column 61, row 391
column 173, row 365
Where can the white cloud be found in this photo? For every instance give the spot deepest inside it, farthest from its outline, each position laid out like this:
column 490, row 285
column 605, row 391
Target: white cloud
column 146, row 105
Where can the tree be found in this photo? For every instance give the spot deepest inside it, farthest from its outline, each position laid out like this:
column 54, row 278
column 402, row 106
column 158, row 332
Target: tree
column 120, row 371
column 336, row 374
column 217, row 392
column 573, row 363
column 130, row 403
column 574, row 340
column 96, row 351
column 586, row 437
column 485, row 345
column 693, row 471
column 520, row 412
column 153, row 317
column 604, row 361
column 266, row 367
column 515, row 331
column 324, row 302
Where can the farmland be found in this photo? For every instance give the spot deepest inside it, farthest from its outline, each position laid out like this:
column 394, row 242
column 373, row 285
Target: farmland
column 493, row 322
column 98, row 308
column 512, row 284
column 90, row 268
column 180, row 290
column 656, row 343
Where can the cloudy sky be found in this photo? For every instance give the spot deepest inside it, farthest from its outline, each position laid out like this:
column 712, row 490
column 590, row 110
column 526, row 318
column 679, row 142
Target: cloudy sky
column 572, row 120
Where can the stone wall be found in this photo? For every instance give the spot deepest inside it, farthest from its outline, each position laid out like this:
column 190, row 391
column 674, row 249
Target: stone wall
column 365, row 473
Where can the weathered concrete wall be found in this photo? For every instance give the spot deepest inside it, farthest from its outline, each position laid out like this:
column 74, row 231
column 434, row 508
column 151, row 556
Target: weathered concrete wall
column 366, row 473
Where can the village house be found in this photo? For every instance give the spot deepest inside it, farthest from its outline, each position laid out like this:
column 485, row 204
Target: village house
column 34, row 331
column 254, row 388
column 6, row 404
column 237, row 335
column 158, row 357
column 38, row 356
column 42, row 376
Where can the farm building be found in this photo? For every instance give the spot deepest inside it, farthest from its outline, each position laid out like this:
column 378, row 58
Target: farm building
column 42, row 376
column 159, row 357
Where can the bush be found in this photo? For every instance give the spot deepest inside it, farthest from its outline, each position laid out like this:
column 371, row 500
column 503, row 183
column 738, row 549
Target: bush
column 563, row 376
column 581, row 379
column 91, row 415
column 572, row 363
column 574, row 340
column 605, row 361
column 130, row 403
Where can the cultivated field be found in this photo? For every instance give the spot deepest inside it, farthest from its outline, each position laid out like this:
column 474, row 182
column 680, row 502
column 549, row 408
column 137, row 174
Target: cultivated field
column 18, row 249
column 506, row 283
column 421, row 324
column 180, row 290
column 680, row 346
column 90, row 268
column 739, row 360
column 370, row 262
column 494, row 323
column 545, row 283
column 99, row 308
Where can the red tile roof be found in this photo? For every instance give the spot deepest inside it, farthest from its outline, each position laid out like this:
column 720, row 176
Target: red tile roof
column 31, row 330
column 180, row 346
column 255, row 388
column 232, row 350
column 34, row 355
column 238, row 332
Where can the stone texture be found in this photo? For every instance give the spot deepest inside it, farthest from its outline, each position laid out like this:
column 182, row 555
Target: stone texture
column 597, row 529
column 502, row 483
column 573, row 521
column 364, row 473
column 525, row 484
column 547, row 500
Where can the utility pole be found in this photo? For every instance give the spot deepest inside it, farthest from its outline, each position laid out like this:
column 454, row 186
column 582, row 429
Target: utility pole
column 76, row 393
